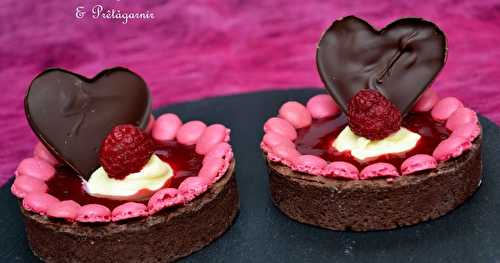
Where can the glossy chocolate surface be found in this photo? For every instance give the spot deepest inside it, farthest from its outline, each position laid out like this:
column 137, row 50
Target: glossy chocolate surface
column 400, row 61
column 72, row 114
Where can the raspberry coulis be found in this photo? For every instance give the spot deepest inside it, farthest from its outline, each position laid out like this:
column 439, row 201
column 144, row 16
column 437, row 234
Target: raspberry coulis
column 317, row 139
column 185, row 162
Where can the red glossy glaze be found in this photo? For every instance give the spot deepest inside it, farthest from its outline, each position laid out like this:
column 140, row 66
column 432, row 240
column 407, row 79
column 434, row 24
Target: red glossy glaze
column 318, row 138
column 185, row 162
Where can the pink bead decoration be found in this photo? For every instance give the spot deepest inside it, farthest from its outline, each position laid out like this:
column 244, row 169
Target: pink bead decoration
column 129, row 210
column 38, row 202
column 322, row 106
column 36, row 168
column 281, row 127
column 65, row 209
column 378, row 170
column 222, row 151
column 271, row 140
column 444, row 108
column 24, row 185
column 425, row 103
column 212, row 169
column 283, row 153
column 190, row 132
column 213, row 135
column 460, row 117
column 309, row 164
column 166, row 127
column 417, row 163
column 451, row 148
column 342, row 170
column 164, row 198
column 93, row 213
column 192, row 187
column 296, row 114
column 469, row 131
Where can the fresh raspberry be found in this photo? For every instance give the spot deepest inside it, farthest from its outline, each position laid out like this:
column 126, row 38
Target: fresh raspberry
column 372, row 116
column 125, row 150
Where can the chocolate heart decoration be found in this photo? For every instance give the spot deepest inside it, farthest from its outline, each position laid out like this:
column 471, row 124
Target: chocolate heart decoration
column 72, row 114
column 400, row 61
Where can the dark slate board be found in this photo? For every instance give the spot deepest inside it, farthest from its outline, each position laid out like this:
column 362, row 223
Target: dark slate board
column 261, row 233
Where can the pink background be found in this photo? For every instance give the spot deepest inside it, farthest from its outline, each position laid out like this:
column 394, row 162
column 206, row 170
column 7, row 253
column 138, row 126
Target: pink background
column 196, row 49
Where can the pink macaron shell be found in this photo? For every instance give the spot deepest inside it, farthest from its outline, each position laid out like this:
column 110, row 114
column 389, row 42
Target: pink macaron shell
column 271, row 140
column 166, row 127
column 309, row 164
column 226, row 162
column 322, row 106
column 296, row 114
column 39, row 202
column 417, row 163
column 281, row 127
column 445, row 107
column 460, row 117
column 213, row 135
column 67, row 209
column 342, row 170
column 164, row 198
column 190, row 132
column 24, row 185
column 425, row 103
column 17, row 192
column 469, row 130
column 283, row 154
column 222, row 150
column 129, row 210
column 452, row 147
column 212, row 169
column 37, row 168
column 93, row 213
column 265, row 147
column 378, row 170
column 151, row 124
column 41, row 152
column 192, row 187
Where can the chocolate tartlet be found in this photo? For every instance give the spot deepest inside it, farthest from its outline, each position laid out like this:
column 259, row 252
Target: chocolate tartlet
column 110, row 183
column 398, row 156
column 362, row 205
column 163, row 237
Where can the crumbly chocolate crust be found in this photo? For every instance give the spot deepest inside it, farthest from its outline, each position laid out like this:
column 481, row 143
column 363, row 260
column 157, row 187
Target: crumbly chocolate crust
column 162, row 237
column 376, row 204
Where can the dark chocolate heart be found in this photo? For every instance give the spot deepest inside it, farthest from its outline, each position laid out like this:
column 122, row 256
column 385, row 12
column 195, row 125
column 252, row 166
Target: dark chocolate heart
column 400, row 61
column 72, row 114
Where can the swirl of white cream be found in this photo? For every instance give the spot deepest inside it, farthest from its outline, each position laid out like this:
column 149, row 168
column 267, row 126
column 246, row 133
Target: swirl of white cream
column 362, row 148
column 135, row 186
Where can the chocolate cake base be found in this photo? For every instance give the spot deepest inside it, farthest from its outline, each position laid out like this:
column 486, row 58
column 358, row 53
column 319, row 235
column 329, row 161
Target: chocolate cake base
column 376, row 204
column 163, row 237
